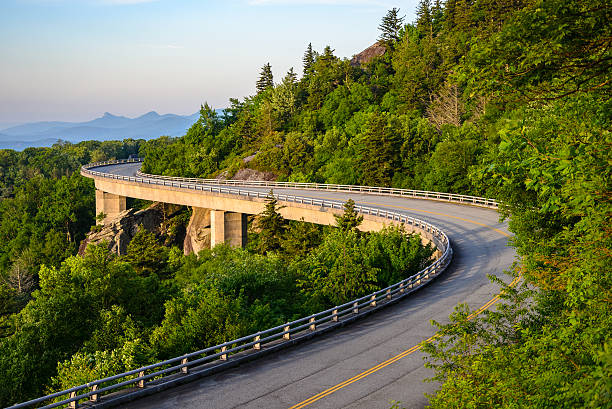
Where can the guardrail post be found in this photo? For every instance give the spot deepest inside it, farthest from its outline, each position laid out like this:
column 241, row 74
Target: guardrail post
column 74, row 403
column 335, row 315
column 257, row 344
column 389, row 294
column 401, row 288
column 355, row 308
column 287, row 334
column 223, row 357
column 313, row 326
column 141, row 383
column 184, row 369
column 373, row 301
column 94, row 397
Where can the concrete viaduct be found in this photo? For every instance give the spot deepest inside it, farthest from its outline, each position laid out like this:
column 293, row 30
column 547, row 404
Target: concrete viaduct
column 363, row 365
column 228, row 212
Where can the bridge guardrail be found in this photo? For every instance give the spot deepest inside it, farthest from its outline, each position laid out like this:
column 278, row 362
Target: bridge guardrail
column 411, row 193
column 92, row 391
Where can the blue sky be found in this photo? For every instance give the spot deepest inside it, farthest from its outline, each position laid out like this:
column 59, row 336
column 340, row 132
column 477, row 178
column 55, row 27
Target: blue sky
column 75, row 59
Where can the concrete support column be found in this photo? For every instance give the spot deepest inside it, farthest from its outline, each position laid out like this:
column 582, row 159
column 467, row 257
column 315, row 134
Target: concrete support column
column 109, row 204
column 228, row 227
column 236, row 229
column 217, row 227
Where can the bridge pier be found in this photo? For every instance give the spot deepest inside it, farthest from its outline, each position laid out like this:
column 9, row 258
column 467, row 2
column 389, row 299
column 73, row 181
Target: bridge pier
column 109, row 204
column 228, row 227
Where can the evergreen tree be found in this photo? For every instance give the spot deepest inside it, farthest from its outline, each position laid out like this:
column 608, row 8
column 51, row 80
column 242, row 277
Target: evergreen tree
column 283, row 97
column 350, row 219
column 380, row 151
column 308, row 60
column 424, row 17
column 301, row 238
column 463, row 15
column 290, row 77
column 266, row 79
column 328, row 53
column 145, row 253
column 450, row 8
column 272, row 225
column 390, row 27
column 437, row 16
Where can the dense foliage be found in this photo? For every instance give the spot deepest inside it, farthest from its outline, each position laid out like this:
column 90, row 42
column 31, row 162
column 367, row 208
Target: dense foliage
column 46, row 208
column 547, row 72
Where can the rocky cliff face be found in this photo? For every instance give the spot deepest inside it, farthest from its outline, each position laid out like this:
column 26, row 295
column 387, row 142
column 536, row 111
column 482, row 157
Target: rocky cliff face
column 197, row 235
column 118, row 232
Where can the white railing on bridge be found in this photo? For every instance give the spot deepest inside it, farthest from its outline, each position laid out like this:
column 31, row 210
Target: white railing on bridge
column 410, row 193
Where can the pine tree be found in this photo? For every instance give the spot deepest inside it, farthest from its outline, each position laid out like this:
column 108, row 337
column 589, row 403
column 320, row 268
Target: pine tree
column 328, row 54
column 309, row 60
column 424, row 17
column 390, row 27
column 272, row 225
column 350, row 219
column 290, row 77
column 146, row 254
column 437, row 16
column 450, row 7
column 463, row 15
column 379, row 151
column 283, row 97
column 300, row 239
column 266, row 79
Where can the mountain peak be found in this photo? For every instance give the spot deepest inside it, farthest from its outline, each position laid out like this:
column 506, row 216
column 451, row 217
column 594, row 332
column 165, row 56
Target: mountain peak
column 150, row 114
column 108, row 115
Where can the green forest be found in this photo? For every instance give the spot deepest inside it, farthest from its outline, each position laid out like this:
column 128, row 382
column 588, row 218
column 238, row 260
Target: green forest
column 507, row 99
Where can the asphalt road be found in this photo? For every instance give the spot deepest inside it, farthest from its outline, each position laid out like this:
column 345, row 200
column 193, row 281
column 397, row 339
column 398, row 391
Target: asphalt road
column 299, row 373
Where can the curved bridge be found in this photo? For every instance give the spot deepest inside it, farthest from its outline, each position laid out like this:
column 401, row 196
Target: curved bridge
column 365, row 365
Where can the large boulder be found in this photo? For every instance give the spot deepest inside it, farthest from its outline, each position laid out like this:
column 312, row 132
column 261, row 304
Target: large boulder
column 197, row 236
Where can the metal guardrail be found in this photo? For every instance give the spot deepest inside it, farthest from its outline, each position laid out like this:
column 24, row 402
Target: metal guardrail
column 92, row 391
column 410, row 193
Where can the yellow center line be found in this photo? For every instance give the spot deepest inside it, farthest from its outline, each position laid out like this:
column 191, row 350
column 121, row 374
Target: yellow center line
column 415, row 348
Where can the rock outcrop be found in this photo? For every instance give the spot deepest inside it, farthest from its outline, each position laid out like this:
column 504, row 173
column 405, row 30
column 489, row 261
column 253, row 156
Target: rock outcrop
column 119, row 231
column 252, row 174
column 366, row 56
column 197, row 236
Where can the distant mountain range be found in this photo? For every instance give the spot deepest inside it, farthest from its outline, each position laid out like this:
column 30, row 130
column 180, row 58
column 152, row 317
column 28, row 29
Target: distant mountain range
column 107, row 127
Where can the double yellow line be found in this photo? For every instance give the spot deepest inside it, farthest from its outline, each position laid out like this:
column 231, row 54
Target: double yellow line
column 415, row 348
column 396, row 358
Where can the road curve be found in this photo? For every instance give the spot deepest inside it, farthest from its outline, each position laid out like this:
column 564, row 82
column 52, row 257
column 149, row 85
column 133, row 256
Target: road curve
column 293, row 377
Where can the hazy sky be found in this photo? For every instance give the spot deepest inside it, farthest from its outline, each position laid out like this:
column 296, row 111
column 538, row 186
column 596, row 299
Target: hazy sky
column 73, row 60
